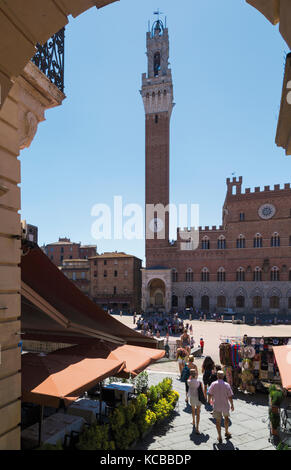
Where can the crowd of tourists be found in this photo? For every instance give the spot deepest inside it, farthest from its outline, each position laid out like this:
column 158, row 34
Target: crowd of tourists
column 161, row 324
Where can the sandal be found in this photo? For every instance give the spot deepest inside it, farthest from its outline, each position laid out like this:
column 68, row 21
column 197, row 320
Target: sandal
column 227, row 435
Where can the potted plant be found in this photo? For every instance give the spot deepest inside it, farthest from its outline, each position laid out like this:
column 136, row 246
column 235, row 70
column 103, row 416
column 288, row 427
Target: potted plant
column 275, row 422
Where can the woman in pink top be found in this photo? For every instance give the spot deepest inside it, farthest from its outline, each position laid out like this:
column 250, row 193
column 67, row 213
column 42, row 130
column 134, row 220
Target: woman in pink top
column 194, row 384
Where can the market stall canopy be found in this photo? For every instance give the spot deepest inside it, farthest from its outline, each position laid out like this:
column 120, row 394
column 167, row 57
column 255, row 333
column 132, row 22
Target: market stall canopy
column 53, row 379
column 48, row 289
column 136, row 358
column 283, row 358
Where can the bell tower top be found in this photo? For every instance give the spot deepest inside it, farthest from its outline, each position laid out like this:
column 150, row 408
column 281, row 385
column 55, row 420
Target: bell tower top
column 157, row 85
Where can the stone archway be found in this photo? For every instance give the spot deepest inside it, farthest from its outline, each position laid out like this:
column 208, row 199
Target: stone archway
column 157, row 293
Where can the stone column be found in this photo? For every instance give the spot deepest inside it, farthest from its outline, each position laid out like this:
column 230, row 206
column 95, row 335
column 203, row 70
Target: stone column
column 23, row 109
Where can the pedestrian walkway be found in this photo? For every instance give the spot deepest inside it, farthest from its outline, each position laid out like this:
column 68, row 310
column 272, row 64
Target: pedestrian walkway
column 249, row 425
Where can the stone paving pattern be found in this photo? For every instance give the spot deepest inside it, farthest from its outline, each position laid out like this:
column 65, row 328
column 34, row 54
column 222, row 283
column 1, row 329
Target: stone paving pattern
column 249, row 424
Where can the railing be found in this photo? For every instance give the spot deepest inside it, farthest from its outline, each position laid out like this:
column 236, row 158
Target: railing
column 50, row 59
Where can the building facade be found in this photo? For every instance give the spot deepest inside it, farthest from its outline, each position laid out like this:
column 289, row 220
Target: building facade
column 115, row 281
column 64, row 249
column 245, row 263
column 78, row 271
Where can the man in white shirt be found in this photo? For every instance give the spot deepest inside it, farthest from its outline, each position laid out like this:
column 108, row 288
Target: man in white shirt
column 221, row 393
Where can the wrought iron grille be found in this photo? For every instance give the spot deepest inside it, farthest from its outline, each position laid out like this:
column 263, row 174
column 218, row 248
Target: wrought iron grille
column 50, row 58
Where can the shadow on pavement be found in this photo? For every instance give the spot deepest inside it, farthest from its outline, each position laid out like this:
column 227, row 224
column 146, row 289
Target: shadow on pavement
column 228, row 445
column 260, row 399
column 198, row 438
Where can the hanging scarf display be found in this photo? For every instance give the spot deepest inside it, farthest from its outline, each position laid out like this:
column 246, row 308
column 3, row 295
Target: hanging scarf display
column 225, row 354
column 228, row 373
column 235, row 348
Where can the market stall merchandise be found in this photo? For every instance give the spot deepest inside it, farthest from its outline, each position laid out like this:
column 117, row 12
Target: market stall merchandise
column 250, row 363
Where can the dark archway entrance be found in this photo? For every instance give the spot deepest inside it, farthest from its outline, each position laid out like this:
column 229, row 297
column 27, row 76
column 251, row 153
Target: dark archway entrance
column 205, row 303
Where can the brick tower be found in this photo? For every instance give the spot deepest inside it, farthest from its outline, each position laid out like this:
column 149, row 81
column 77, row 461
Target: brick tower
column 157, row 94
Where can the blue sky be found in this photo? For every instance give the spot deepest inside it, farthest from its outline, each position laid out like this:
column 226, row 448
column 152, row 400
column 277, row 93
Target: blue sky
column 227, row 63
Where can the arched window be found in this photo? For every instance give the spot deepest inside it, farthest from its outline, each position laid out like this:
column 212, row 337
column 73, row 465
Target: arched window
column 157, row 63
column 257, row 274
column 221, row 301
column 258, row 241
column 241, row 242
column 240, row 301
column 240, row 274
column 221, row 275
column 174, row 275
column 274, row 301
column 275, row 240
column 205, row 243
column 205, row 275
column 257, row 301
column 221, row 243
column 189, row 275
column 275, row 274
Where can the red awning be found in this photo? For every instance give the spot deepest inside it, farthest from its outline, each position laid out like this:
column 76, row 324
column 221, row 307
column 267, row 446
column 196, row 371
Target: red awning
column 283, row 358
column 49, row 380
column 136, row 358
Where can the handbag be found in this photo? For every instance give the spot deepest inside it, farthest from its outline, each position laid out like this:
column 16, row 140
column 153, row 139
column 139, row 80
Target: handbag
column 201, row 395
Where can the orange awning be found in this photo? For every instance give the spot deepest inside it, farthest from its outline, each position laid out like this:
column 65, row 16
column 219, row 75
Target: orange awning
column 47, row 380
column 283, row 358
column 136, row 358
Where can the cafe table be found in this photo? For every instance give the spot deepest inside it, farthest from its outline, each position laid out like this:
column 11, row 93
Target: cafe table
column 121, row 390
column 87, row 409
column 54, row 429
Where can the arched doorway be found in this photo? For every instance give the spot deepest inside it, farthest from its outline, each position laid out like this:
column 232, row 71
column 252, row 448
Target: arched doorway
column 205, row 303
column 221, row 301
column 174, row 301
column 257, row 302
column 157, row 293
column 189, row 301
column 240, row 301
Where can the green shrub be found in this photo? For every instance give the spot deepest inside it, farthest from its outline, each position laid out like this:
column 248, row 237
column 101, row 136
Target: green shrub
column 282, row 446
column 96, row 438
column 276, row 397
column 140, row 403
column 274, row 419
column 125, row 436
column 58, row 446
column 162, row 409
column 129, row 411
column 117, row 418
column 141, row 382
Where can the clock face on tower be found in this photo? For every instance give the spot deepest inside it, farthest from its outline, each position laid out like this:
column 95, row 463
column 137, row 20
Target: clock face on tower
column 267, row 211
column 156, row 225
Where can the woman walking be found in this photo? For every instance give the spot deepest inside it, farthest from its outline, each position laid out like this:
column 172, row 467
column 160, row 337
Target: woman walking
column 195, row 403
column 181, row 358
column 185, row 341
column 207, row 368
column 189, row 365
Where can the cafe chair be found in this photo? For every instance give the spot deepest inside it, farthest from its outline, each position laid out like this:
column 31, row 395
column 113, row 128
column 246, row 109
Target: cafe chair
column 71, row 440
column 108, row 397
